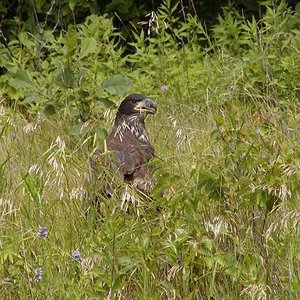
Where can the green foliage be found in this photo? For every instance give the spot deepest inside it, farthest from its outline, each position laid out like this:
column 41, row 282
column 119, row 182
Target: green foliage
column 69, row 70
column 117, row 85
column 265, row 48
column 222, row 220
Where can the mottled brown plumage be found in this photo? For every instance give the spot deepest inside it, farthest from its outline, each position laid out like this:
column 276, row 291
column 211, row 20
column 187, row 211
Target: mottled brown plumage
column 129, row 140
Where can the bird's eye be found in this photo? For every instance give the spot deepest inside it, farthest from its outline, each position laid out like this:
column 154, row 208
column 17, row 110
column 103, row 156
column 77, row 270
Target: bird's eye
column 134, row 101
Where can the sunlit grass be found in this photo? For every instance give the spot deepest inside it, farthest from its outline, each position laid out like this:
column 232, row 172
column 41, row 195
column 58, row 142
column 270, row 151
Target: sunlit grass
column 210, row 236
column 223, row 219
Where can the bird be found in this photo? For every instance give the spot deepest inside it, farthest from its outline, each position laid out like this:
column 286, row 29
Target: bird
column 129, row 143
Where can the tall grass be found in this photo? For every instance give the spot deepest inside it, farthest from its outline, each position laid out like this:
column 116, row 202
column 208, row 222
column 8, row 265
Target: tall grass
column 224, row 215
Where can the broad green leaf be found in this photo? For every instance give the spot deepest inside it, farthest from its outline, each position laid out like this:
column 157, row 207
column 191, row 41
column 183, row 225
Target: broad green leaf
column 88, row 46
column 105, row 102
column 72, row 4
column 77, row 129
column 26, row 41
column 49, row 110
column 31, row 97
column 21, row 79
column 101, row 132
column 117, row 85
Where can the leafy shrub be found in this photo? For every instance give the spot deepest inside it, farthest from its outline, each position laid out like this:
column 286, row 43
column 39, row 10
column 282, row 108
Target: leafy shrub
column 265, row 48
column 66, row 73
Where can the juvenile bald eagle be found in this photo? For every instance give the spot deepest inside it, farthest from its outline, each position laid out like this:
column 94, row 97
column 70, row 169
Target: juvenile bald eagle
column 129, row 141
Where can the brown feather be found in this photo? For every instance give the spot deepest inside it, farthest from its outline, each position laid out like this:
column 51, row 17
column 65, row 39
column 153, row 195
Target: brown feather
column 130, row 142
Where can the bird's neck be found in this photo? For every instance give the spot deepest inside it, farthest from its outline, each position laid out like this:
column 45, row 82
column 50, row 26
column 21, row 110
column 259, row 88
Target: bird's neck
column 133, row 124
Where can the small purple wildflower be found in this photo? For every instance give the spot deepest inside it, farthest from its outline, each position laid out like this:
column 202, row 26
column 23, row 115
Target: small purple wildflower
column 14, row 170
column 164, row 88
column 38, row 275
column 232, row 87
column 76, row 255
column 42, row 232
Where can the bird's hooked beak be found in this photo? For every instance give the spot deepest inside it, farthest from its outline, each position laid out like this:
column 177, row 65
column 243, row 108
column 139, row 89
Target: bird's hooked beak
column 147, row 105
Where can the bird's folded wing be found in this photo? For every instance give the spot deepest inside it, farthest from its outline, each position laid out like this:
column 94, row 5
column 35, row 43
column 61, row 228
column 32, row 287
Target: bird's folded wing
column 130, row 159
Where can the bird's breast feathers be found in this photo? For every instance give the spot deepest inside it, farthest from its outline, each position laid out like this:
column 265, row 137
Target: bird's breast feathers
column 127, row 129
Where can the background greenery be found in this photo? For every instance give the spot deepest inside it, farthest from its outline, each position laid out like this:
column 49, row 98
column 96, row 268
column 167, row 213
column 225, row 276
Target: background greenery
column 223, row 222
column 27, row 12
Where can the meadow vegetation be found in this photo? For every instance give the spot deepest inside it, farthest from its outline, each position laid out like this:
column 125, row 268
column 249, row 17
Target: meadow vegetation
column 223, row 222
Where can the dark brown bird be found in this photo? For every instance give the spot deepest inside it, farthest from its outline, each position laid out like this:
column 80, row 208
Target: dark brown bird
column 129, row 140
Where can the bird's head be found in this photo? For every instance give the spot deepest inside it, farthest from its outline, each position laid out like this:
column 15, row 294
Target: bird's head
column 137, row 104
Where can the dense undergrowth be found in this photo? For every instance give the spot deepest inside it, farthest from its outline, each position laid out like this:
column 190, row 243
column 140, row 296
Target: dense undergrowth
column 224, row 219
